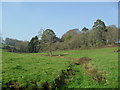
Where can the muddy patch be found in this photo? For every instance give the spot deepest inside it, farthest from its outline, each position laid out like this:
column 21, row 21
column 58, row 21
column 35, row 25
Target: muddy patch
column 117, row 50
column 82, row 60
column 63, row 79
column 52, row 55
column 61, row 56
column 90, row 70
column 64, row 54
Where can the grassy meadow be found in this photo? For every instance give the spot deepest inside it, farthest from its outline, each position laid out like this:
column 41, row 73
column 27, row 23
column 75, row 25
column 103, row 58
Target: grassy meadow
column 30, row 70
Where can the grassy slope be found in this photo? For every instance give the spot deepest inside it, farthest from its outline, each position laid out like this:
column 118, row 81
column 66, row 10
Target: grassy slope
column 24, row 68
column 105, row 59
column 27, row 67
column 0, row 68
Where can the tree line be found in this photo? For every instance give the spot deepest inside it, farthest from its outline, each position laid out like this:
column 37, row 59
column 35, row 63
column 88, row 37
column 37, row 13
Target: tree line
column 99, row 35
column 14, row 45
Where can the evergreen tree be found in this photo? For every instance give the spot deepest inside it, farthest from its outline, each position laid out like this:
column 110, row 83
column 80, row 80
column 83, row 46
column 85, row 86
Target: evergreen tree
column 33, row 45
column 100, row 27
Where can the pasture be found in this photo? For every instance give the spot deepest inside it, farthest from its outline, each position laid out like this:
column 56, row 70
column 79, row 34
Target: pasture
column 37, row 70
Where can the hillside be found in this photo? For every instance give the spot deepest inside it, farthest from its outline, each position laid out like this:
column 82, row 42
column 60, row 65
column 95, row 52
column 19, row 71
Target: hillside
column 38, row 70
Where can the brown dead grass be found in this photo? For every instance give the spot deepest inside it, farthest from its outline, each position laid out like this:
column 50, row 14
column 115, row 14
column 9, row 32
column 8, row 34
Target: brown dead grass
column 94, row 73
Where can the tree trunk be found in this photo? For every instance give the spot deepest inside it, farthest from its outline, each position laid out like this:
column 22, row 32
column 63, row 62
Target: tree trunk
column 50, row 53
column 50, row 49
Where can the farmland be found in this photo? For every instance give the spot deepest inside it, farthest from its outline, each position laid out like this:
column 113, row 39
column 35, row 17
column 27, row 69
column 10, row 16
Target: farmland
column 63, row 45
column 30, row 70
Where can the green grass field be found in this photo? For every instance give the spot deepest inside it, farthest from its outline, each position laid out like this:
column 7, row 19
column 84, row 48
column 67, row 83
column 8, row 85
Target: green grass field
column 34, row 69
